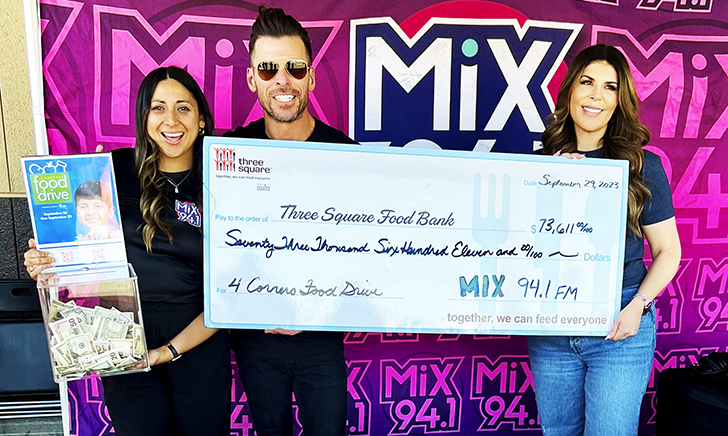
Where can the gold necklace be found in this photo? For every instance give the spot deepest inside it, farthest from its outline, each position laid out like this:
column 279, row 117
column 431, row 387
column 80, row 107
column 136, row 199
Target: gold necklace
column 176, row 185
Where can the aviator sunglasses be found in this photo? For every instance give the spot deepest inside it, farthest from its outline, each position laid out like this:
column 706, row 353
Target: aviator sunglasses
column 296, row 68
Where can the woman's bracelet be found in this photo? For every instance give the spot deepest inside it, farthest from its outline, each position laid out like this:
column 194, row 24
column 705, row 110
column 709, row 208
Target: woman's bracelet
column 646, row 301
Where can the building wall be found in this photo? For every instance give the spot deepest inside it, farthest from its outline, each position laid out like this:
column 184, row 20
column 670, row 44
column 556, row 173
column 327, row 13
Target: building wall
column 16, row 140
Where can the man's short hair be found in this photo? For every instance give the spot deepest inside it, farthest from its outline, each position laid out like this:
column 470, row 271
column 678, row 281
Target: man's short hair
column 275, row 23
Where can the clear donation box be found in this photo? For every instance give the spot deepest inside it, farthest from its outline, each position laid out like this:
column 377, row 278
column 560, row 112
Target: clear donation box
column 93, row 322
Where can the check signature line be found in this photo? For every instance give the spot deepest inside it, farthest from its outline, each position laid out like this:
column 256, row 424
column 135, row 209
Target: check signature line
column 562, row 254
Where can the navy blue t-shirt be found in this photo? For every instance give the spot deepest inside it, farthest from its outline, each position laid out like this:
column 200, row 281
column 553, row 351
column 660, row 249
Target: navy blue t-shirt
column 657, row 208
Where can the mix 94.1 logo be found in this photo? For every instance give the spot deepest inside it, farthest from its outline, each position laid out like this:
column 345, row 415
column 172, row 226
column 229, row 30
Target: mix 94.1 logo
column 422, row 394
column 503, row 388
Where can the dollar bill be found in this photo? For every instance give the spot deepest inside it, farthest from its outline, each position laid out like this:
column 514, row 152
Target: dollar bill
column 95, row 362
column 75, row 311
column 95, row 327
column 127, row 362
column 87, row 360
column 101, row 364
column 115, row 356
column 62, row 354
column 110, row 329
column 125, row 347
column 55, row 308
column 105, row 360
column 81, row 344
column 138, row 336
column 126, row 318
column 102, row 312
column 63, row 370
column 66, row 327
column 101, row 346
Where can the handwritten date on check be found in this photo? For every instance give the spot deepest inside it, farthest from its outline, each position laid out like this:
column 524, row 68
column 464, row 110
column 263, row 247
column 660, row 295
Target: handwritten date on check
column 356, row 238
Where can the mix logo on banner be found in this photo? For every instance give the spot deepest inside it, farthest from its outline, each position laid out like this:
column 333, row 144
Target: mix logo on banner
column 677, row 73
column 711, row 295
column 699, row 6
column 359, row 415
column 492, row 79
column 669, row 304
column 127, row 46
column 137, row 48
column 514, row 404
column 702, row 60
column 422, row 394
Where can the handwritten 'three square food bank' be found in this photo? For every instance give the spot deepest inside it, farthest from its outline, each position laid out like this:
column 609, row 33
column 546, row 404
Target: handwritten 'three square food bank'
column 332, row 237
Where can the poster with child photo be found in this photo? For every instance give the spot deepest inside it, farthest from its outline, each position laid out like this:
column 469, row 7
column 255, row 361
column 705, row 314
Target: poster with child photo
column 74, row 208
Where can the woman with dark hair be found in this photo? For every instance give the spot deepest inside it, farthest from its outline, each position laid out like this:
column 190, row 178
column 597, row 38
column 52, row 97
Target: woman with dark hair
column 160, row 198
column 591, row 385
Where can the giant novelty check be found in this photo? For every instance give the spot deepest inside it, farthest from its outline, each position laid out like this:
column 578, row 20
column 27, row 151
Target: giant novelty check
column 310, row 236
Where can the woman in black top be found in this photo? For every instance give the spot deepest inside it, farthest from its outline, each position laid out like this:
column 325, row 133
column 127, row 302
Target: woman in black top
column 160, row 198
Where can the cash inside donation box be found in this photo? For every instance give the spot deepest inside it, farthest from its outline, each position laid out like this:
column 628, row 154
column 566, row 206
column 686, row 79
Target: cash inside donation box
column 93, row 322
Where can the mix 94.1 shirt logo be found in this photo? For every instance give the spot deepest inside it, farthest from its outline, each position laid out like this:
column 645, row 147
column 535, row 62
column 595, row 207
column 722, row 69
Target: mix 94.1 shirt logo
column 188, row 212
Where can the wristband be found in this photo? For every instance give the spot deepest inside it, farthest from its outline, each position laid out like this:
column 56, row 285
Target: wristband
column 175, row 354
column 646, row 301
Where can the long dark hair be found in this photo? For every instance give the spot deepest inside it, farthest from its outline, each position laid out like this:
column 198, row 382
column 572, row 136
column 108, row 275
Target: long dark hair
column 146, row 155
column 625, row 136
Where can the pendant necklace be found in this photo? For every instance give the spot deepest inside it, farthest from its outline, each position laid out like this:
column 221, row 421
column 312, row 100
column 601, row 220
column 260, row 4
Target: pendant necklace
column 176, row 185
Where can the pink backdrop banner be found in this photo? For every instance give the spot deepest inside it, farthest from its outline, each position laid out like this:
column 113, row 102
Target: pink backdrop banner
column 467, row 75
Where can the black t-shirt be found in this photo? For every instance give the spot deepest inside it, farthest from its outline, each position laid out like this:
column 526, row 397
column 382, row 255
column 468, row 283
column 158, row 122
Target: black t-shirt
column 658, row 208
column 256, row 343
column 322, row 132
column 172, row 273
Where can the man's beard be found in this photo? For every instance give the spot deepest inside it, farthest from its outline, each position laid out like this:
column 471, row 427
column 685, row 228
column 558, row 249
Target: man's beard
column 302, row 105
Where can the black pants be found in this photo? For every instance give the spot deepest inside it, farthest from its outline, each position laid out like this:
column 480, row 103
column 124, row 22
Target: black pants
column 318, row 381
column 190, row 396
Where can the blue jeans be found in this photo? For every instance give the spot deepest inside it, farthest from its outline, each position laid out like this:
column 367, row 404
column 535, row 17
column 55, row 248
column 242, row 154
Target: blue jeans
column 589, row 386
column 319, row 382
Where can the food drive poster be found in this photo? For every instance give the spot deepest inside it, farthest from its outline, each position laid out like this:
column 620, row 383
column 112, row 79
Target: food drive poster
column 454, row 83
column 72, row 202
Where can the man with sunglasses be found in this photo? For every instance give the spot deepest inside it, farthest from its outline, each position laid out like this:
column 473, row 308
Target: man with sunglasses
column 275, row 363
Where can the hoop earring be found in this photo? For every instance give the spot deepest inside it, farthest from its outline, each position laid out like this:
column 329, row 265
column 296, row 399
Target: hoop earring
column 202, row 132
